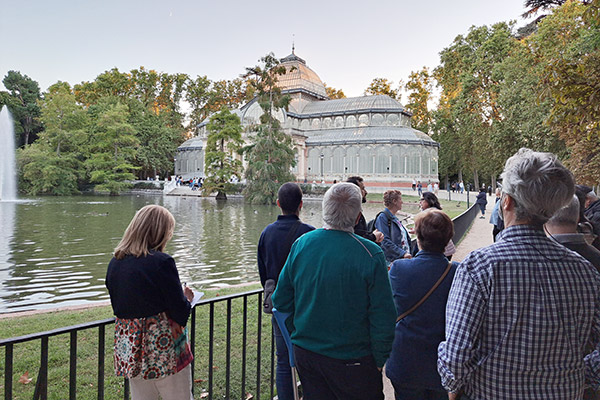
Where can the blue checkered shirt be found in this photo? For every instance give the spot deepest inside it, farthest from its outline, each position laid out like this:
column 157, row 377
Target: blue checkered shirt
column 520, row 317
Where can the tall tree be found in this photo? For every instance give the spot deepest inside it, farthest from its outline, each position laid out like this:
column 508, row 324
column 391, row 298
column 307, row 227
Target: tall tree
column 197, row 95
column 569, row 40
column 383, row 86
column 25, row 92
column 222, row 146
column 419, row 87
column 271, row 154
column 112, row 150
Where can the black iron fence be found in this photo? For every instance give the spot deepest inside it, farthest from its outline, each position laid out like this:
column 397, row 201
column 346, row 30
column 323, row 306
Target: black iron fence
column 463, row 222
column 232, row 343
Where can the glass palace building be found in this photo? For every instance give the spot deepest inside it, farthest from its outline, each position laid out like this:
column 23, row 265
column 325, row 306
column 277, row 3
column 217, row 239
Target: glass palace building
column 369, row 136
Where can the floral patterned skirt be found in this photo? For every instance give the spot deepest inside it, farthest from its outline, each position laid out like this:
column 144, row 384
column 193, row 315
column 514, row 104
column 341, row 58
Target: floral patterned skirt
column 147, row 347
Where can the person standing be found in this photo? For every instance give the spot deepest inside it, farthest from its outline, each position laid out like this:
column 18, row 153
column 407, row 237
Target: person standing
column 429, row 201
column 273, row 249
column 522, row 312
column 412, row 363
column 495, row 220
column 419, row 188
column 151, row 307
column 360, row 228
column 336, row 287
column 562, row 228
column 396, row 240
column 481, row 202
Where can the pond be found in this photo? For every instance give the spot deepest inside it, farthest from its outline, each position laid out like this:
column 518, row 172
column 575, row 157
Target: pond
column 54, row 250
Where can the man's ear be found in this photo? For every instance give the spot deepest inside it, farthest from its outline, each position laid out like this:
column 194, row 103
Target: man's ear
column 357, row 218
column 508, row 203
column 300, row 207
column 278, row 205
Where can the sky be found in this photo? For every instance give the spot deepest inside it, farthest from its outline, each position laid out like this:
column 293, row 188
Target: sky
column 347, row 43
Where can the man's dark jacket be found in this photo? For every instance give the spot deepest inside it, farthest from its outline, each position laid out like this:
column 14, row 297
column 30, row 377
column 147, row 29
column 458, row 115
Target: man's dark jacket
column 361, row 229
column 592, row 213
column 271, row 247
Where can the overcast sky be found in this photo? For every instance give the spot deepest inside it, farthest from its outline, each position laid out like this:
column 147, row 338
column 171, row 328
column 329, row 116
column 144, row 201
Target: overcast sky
column 347, row 43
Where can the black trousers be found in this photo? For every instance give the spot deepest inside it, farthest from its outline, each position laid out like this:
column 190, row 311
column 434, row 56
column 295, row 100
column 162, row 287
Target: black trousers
column 326, row 378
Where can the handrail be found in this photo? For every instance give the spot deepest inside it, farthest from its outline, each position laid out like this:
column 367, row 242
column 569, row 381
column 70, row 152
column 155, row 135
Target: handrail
column 212, row 324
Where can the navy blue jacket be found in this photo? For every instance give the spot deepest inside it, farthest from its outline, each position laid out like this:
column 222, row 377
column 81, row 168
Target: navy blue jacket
column 413, row 361
column 145, row 286
column 271, row 243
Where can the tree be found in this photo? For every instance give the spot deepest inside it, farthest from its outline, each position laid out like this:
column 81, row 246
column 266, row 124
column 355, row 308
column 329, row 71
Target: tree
column 223, row 142
column 470, row 82
column 333, row 93
column 569, row 40
column 420, row 88
column 379, row 86
column 157, row 141
column 25, row 93
column 111, row 150
column 41, row 171
column 197, row 95
column 53, row 164
column 271, row 154
column 64, row 120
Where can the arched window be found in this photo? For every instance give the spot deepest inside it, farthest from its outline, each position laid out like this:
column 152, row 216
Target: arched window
column 382, row 159
column 365, row 162
column 338, row 161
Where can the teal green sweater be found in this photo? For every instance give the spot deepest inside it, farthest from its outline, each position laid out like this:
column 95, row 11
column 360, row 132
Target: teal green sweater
column 336, row 286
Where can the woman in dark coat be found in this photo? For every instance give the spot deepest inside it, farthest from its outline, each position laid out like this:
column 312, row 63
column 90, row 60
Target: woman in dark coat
column 152, row 309
column 412, row 366
column 481, row 201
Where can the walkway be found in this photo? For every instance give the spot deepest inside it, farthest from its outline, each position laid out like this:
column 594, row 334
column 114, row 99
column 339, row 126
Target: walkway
column 479, row 235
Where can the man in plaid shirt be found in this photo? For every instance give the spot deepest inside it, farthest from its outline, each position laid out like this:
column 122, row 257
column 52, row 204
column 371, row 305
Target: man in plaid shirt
column 522, row 311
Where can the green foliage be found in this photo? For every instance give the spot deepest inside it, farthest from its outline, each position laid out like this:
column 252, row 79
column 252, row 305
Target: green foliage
column 45, row 172
column 112, row 149
column 420, row 88
column 271, row 155
column 23, row 94
column 221, row 162
column 380, row 86
column 569, row 39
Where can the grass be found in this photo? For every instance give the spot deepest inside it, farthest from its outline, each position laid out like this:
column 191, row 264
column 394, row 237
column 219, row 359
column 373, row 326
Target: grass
column 26, row 355
column 451, row 208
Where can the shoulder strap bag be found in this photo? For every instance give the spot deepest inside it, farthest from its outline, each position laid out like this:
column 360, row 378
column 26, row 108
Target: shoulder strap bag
column 413, row 308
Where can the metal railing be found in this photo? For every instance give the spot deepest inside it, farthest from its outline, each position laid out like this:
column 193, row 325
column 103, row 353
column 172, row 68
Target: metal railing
column 243, row 309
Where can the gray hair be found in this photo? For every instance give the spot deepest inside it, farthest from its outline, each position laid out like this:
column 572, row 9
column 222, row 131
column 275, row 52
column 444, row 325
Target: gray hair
column 341, row 206
column 568, row 215
column 538, row 183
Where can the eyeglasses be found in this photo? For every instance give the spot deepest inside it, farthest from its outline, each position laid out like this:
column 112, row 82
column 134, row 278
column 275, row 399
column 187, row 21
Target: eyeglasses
column 422, row 200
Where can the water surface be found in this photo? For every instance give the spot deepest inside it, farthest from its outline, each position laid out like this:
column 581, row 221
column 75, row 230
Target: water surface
column 54, row 250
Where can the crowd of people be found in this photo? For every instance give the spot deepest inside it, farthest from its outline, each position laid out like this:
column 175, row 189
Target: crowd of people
column 519, row 319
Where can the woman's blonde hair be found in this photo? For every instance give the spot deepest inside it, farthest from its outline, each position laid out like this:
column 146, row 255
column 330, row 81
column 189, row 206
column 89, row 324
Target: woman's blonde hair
column 150, row 229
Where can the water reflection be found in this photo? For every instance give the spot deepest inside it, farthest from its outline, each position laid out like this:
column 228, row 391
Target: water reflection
column 54, row 251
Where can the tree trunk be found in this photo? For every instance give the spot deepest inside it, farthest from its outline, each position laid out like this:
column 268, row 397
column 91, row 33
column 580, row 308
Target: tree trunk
column 446, row 183
column 460, row 177
column 476, row 181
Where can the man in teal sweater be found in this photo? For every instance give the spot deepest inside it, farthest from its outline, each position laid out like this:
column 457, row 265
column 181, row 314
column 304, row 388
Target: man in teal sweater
column 336, row 287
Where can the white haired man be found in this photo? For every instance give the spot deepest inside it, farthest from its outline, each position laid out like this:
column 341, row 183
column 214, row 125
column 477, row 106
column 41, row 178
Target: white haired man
column 522, row 311
column 562, row 228
column 338, row 282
